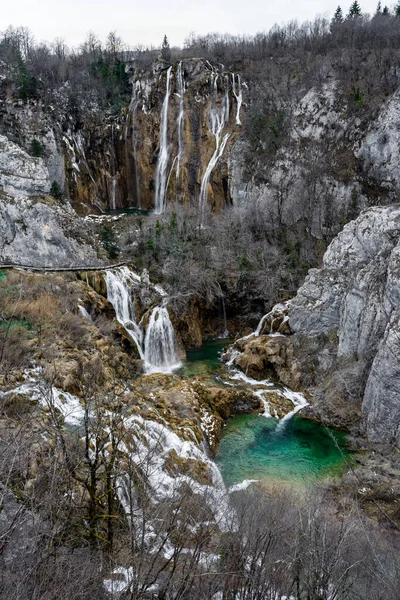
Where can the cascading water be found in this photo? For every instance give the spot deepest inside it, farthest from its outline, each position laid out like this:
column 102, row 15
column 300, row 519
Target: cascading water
column 113, row 193
column 160, row 343
column 158, row 348
column 180, row 121
column 134, row 107
column 119, row 287
column 162, row 163
column 218, row 119
column 238, row 95
column 226, row 99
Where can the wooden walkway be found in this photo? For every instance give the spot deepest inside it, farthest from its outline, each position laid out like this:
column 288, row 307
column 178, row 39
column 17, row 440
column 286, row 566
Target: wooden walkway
column 48, row 269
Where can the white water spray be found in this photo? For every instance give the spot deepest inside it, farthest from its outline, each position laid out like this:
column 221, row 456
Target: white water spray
column 160, row 343
column 158, row 348
column 238, row 95
column 163, row 157
column 119, row 293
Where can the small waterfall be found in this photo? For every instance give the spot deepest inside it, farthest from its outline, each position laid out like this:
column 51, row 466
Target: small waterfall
column 225, row 332
column 119, row 287
column 218, row 117
column 162, row 163
column 238, row 95
column 160, row 343
column 114, row 193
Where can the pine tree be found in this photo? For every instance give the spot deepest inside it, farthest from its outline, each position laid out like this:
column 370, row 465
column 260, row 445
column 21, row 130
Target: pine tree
column 338, row 16
column 354, row 11
column 397, row 10
column 165, row 50
column 385, row 11
column 378, row 9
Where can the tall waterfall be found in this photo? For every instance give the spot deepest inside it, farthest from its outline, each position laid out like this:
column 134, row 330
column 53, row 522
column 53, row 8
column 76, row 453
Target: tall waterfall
column 160, row 342
column 238, row 95
column 218, row 119
column 162, row 163
column 134, row 107
column 179, row 122
column 158, row 347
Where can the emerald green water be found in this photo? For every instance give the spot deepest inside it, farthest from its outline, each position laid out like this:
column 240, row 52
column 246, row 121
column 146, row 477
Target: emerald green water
column 206, row 359
column 298, row 451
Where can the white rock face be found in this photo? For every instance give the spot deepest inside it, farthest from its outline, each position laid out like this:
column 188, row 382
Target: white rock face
column 36, row 234
column 380, row 150
column 20, row 173
column 357, row 292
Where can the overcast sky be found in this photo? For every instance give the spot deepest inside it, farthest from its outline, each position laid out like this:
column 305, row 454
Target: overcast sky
column 146, row 22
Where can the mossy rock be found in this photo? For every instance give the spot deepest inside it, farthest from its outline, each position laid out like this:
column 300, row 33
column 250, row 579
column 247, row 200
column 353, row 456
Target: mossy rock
column 196, row 469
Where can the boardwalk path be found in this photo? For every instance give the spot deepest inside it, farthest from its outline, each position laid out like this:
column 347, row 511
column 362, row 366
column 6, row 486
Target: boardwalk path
column 57, row 269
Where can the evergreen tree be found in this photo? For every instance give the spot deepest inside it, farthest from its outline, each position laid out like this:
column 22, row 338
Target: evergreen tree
column 397, row 10
column 338, row 16
column 386, row 11
column 354, row 11
column 378, row 9
column 165, row 50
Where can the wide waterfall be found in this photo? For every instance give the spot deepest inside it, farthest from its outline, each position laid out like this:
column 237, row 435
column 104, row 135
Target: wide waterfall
column 163, row 157
column 158, row 346
column 160, row 342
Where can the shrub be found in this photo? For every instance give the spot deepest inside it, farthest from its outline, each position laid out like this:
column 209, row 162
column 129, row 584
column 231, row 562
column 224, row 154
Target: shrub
column 56, row 190
column 37, row 148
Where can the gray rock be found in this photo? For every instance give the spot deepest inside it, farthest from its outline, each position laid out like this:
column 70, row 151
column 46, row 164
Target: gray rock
column 380, row 150
column 357, row 293
column 20, row 173
column 41, row 235
column 381, row 403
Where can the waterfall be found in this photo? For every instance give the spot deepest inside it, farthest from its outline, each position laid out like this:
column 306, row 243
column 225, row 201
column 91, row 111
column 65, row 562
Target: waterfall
column 162, row 163
column 113, row 193
column 225, row 332
column 180, row 121
column 226, row 99
column 218, row 118
column 158, row 348
column 160, row 343
column 127, row 153
column 238, row 96
column 119, row 286
column 134, row 106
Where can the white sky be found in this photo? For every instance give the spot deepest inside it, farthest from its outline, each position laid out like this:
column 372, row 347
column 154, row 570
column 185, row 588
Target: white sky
column 146, row 22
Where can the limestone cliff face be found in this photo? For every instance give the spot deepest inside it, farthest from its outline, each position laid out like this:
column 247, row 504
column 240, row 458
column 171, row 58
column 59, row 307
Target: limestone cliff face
column 38, row 233
column 330, row 163
column 170, row 144
column 356, row 293
column 21, row 174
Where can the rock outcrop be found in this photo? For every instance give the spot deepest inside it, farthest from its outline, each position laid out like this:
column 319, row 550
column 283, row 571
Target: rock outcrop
column 41, row 233
column 356, row 294
column 21, row 174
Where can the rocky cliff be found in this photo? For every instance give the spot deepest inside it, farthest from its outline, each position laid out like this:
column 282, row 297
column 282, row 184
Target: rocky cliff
column 356, row 293
column 344, row 346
